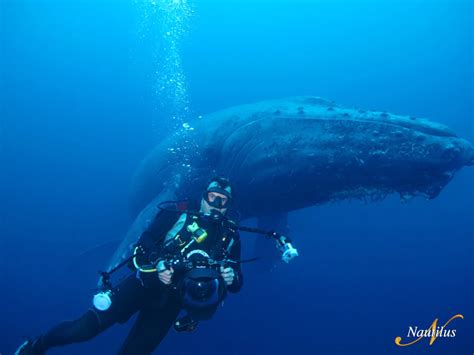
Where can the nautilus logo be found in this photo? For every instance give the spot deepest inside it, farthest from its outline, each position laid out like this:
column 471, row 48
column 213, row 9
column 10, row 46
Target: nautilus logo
column 433, row 332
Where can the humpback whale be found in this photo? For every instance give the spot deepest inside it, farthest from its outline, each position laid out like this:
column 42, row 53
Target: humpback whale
column 286, row 154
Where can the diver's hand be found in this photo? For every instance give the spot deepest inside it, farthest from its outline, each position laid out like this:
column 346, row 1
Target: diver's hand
column 228, row 275
column 165, row 275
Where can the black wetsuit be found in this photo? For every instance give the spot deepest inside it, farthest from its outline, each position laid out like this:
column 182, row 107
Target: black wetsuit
column 158, row 304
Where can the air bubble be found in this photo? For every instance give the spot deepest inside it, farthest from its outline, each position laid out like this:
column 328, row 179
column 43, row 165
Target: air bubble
column 187, row 127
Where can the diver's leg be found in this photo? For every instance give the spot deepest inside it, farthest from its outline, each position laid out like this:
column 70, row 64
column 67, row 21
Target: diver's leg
column 152, row 325
column 126, row 300
column 81, row 329
column 67, row 332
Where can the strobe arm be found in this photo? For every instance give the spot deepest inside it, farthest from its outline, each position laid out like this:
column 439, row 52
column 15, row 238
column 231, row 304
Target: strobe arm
column 288, row 252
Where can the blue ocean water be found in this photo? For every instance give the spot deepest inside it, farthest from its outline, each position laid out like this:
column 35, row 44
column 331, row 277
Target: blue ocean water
column 82, row 104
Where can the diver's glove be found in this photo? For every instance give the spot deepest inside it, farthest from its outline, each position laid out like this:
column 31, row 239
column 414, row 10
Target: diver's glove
column 164, row 274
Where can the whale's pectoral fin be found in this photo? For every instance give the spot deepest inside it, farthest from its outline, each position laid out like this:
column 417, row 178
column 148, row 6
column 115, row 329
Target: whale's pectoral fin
column 141, row 223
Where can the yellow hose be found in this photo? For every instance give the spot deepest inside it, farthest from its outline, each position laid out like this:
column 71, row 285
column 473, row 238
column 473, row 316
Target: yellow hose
column 138, row 267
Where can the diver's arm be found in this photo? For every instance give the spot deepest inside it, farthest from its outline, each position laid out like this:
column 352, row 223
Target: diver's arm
column 238, row 277
column 154, row 235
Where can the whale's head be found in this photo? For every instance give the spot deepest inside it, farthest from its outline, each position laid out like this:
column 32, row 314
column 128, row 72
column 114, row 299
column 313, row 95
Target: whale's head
column 286, row 154
column 293, row 153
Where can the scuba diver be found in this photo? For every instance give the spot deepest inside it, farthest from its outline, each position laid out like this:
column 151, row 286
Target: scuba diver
column 185, row 260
